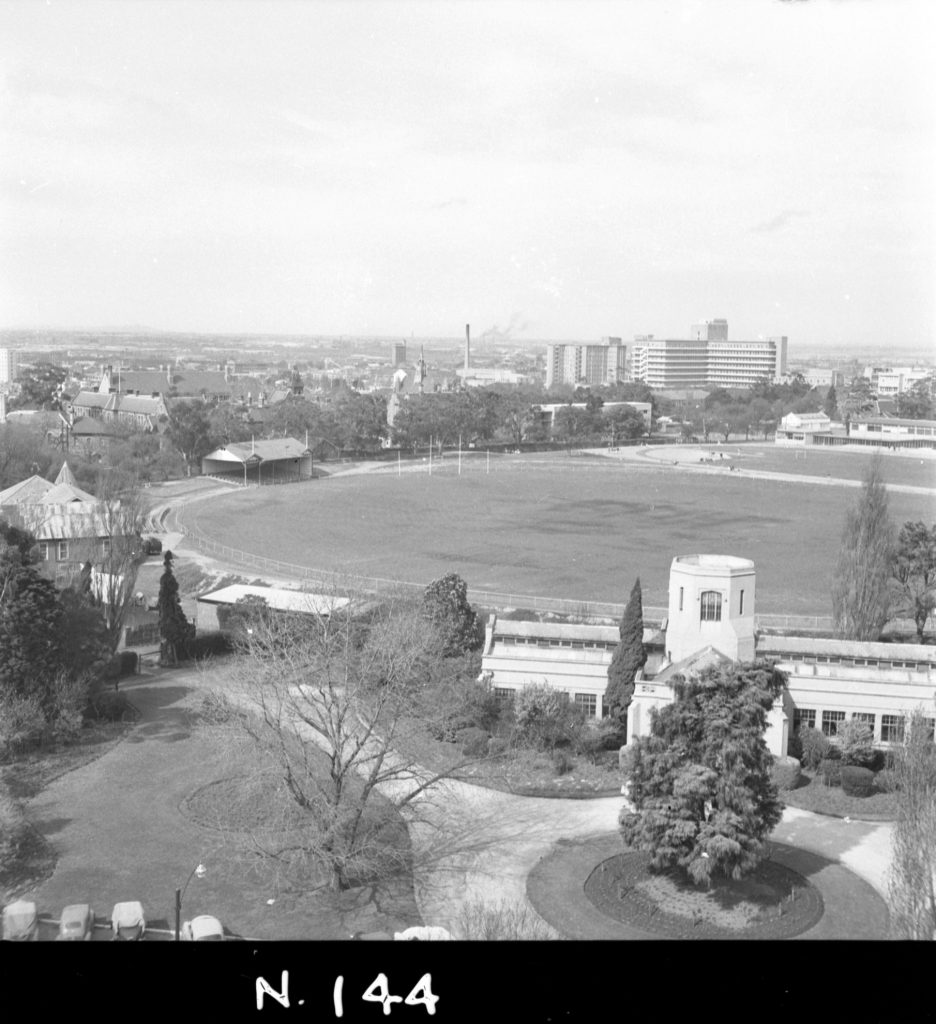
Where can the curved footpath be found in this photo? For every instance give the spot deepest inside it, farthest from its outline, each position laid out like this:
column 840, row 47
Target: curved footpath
column 118, row 833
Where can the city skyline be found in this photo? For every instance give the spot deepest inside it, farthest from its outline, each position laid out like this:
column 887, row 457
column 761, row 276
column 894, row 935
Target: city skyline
column 558, row 171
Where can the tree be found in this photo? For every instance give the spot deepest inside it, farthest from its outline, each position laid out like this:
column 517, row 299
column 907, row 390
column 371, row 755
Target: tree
column 629, row 657
column 190, row 432
column 445, row 606
column 914, row 574
column 860, row 585
column 830, row 405
column 41, row 387
column 916, row 403
column 859, row 399
column 31, row 623
column 700, row 782
column 324, row 702
column 175, row 630
column 913, row 867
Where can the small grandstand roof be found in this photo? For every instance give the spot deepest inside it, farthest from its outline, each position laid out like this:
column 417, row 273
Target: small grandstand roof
column 278, row 599
column 261, row 451
column 811, row 646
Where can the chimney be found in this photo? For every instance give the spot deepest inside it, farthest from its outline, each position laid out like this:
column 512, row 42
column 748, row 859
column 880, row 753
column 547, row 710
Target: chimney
column 260, row 399
column 467, row 346
column 249, row 398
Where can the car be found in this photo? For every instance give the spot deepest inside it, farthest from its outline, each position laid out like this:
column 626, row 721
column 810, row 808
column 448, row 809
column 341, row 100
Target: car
column 203, row 929
column 128, row 922
column 76, row 923
column 21, row 922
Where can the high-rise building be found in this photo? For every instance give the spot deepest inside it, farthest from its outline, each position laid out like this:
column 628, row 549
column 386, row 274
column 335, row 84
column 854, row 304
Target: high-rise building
column 398, row 357
column 603, row 362
column 9, row 365
column 707, row 359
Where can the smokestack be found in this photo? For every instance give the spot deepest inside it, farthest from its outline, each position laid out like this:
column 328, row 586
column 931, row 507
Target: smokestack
column 467, row 346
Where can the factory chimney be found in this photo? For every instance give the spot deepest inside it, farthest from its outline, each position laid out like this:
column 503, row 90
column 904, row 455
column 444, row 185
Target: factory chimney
column 467, row 346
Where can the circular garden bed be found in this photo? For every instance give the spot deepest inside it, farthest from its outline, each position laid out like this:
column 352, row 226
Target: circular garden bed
column 774, row 902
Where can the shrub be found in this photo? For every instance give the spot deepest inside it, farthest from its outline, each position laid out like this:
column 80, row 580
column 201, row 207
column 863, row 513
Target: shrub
column 785, row 773
column 857, row 781
column 152, row 546
column 473, row 741
column 447, row 729
column 208, row 645
column 831, row 771
column 506, row 920
column 545, row 716
column 589, row 742
column 563, row 762
column 22, row 724
column 110, row 706
column 128, row 663
column 13, row 830
column 886, row 780
column 856, row 741
column 795, row 747
column 497, row 745
column 813, row 745
column 613, row 734
column 834, row 753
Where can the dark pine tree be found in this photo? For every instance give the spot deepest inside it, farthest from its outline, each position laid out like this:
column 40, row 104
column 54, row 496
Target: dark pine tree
column 174, row 628
column 30, row 633
column 830, row 406
column 700, row 782
column 445, row 605
column 629, row 657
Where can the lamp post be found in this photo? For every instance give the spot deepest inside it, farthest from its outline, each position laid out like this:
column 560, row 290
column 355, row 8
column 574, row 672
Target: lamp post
column 198, row 870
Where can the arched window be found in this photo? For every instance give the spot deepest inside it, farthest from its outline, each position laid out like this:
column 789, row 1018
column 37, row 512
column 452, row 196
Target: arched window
column 711, row 606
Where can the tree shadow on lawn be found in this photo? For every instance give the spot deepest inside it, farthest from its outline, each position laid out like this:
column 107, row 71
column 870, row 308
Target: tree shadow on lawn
column 163, row 713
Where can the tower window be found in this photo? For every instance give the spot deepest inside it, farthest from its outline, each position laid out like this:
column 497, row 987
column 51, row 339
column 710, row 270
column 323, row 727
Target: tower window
column 680, row 598
column 711, row 602
column 741, row 604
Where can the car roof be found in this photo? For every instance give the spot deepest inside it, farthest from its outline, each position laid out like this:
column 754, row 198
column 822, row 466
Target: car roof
column 128, row 914
column 205, row 924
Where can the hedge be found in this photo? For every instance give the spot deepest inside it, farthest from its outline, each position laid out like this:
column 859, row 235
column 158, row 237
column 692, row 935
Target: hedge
column 857, row 781
column 786, row 773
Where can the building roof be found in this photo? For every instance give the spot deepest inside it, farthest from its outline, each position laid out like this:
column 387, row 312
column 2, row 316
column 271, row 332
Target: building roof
column 65, row 494
column 278, row 599
column 894, row 421
column 26, row 492
column 809, row 646
column 89, row 426
column 137, row 404
column 693, row 664
column 260, row 451
column 66, row 476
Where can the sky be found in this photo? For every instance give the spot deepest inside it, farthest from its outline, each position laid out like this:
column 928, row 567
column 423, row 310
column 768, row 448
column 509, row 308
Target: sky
column 558, row 170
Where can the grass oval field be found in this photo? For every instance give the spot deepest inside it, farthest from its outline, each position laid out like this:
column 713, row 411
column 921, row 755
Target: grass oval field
column 554, row 526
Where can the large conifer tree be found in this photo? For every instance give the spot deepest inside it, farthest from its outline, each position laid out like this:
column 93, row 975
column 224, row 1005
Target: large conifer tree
column 174, row 628
column 860, row 586
column 629, row 657
column 700, row 782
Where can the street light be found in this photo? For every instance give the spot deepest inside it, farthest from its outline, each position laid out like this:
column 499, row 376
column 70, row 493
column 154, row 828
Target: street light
column 200, row 871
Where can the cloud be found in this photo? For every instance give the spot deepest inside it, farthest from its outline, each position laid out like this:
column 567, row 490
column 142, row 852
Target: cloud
column 780, row 221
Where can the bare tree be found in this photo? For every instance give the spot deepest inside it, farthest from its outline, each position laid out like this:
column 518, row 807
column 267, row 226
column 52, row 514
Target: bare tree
column 325, row 700
column 913, row 868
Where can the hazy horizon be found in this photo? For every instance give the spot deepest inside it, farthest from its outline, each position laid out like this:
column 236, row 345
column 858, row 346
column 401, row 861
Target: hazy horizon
column 557, row 171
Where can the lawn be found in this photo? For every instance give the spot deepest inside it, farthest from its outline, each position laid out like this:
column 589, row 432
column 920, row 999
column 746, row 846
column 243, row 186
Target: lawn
column 580, row 528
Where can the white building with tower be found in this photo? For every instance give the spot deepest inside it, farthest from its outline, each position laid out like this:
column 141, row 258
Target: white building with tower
column 711, row 619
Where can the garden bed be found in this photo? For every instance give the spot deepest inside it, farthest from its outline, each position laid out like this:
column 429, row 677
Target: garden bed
column 774, row 902
column 814, row 795
column 520, row 771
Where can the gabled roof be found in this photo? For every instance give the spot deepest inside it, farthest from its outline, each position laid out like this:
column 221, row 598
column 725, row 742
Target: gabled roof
column 65, row 494
column 66, row 476
column 278, row 599
column 262, row 451
column 693, row 664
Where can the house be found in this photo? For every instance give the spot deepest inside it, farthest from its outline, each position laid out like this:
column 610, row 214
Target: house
column 148, row 413
column 795, row 427
column 711, row 620
column 72, row 527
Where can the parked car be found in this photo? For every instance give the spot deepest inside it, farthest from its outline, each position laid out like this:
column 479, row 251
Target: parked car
column 21, row 922
column 203, row 929
column 76, row 923
column 128, row 922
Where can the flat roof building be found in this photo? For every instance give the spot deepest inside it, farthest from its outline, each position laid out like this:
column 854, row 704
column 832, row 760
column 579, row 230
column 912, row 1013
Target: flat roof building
column 603, row 362
column 707, row 359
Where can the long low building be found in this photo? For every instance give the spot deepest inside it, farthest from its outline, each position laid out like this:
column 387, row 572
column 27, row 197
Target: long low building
column 283, row 460
column 711, row 620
